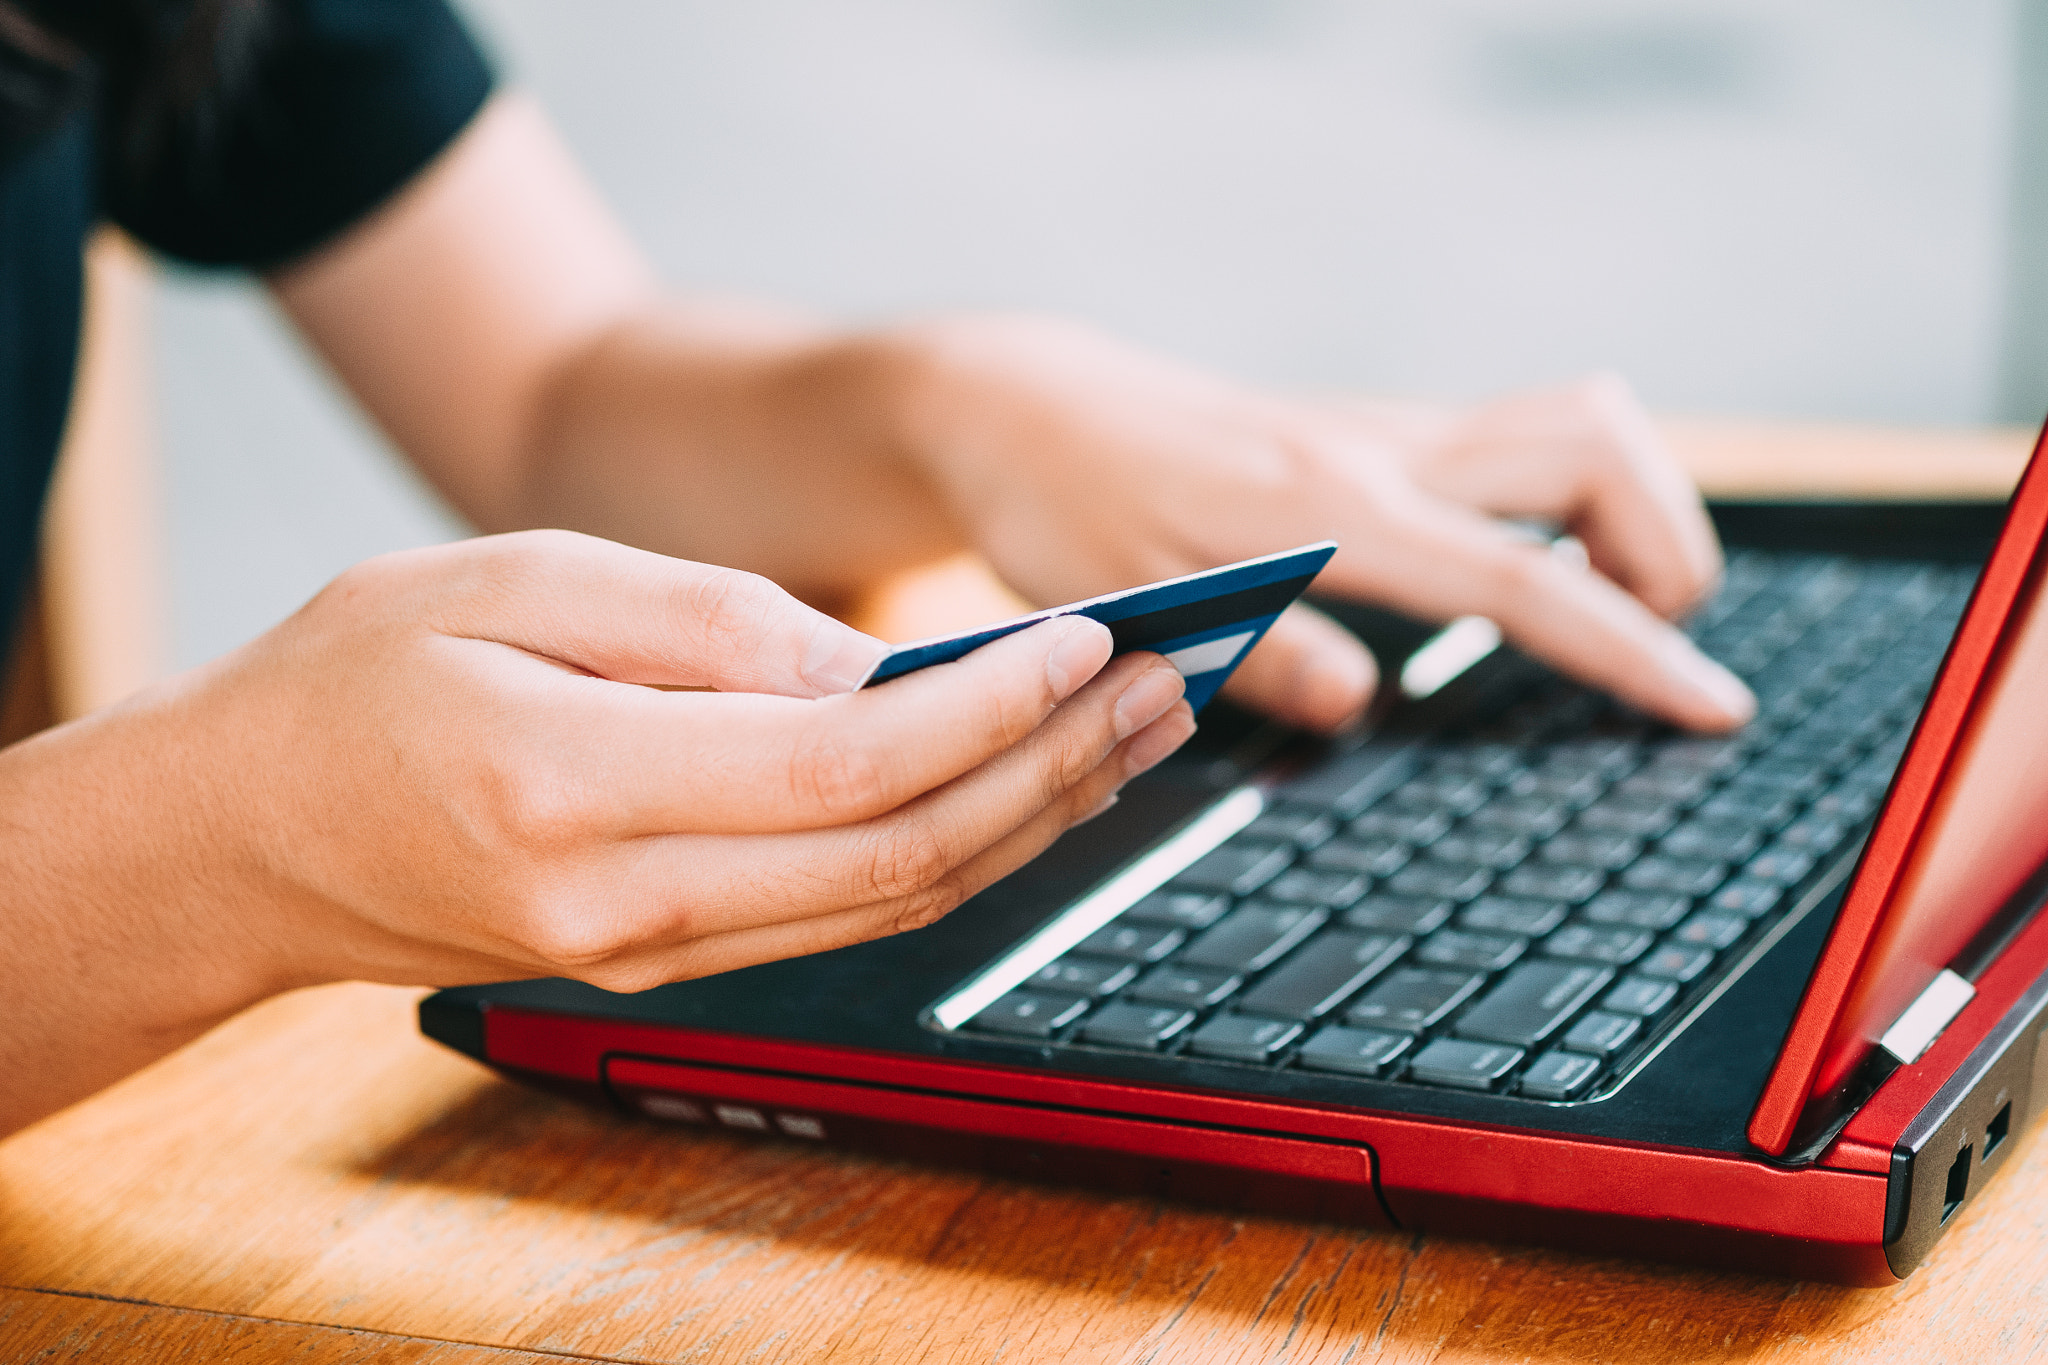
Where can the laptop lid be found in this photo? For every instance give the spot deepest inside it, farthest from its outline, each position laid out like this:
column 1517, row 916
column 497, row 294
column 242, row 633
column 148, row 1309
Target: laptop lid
column 1961, row 834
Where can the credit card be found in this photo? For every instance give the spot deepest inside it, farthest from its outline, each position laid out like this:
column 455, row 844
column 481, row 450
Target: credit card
column 1204, row 623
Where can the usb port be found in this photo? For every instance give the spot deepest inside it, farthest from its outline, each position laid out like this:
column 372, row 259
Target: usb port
column 1994, row 1136
column 1958, row 1185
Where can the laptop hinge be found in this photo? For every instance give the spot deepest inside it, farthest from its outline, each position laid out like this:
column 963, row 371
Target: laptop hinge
column 1913, row 1032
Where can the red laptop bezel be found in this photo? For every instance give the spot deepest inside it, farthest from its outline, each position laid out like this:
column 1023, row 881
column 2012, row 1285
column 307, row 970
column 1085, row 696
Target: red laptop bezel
column 1830, row 1035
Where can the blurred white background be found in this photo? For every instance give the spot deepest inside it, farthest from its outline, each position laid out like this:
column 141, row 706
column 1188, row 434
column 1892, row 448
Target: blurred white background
column 1822, row 209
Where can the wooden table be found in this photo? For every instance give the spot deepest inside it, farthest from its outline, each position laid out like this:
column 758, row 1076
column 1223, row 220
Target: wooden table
column 313, row 1182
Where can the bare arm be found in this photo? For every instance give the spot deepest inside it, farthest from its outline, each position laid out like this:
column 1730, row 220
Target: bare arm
column 497, row 322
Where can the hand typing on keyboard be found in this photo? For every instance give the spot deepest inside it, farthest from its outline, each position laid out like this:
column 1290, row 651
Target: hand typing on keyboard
column 1078, row 466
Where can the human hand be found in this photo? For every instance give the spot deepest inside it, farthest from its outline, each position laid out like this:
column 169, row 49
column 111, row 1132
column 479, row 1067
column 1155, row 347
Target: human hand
column 1079, row 466
column 518, row 801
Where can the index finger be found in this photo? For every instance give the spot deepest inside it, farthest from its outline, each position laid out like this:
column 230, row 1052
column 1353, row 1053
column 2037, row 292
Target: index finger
column 1441, row 561
column 663, row 762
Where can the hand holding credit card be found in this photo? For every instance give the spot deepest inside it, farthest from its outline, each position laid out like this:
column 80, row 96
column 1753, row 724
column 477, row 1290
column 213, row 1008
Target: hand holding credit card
column 1204, row 623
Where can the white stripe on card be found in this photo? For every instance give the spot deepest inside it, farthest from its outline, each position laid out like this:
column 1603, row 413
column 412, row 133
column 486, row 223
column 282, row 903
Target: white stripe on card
column 1210, row 655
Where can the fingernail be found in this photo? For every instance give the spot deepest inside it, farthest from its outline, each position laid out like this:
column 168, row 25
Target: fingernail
column 1078, row 653
column 1147, row 699
column 1151, row 747
column 1105, row 804
column 1727, row 693
column 840, row 659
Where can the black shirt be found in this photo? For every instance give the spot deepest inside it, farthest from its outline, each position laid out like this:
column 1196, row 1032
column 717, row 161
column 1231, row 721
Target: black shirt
column 344, row 102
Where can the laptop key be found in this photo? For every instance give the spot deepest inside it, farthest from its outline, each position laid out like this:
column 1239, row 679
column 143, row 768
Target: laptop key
column 1664, row 785
column 1601, row 1034
column 1026, row 1015
column 1559, row 1075
column 1131, row 942
column 1643, row 996
column 1236, row 869
column 1532, row 1002
column 1676, row 962
column 1241, row 1038
column 1467, row 1066
column 1373, row 857
column 1504, row 915
column 1306, row 886
column 1766, row 810
column 1451, row 881
column 1474, row 952
column 1172, row 985
column 1752, row 900
column 1641, row 820
column 1135, row 1026
column 1412, row 915
column 1778, row 865
column 1355, row 1051
column 1348, row 784
column 1709, row 930
column 1616, row 946
column 1574, row 789
column 1680, row 876
column 1458, row 794
column 1413, row 999
column 1604, row 851
column 1416, row 827
column 1303, row 826
column 1637, row 909
column 1532, row 816
column 1253, row 937
column 1189, row 910
column 1482, row 848
column 1553, row 881
column 1083, row 976
column 1716, row 842
column 1322, row 974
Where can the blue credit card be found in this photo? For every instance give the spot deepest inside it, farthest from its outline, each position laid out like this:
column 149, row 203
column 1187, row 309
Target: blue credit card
column 1204, row 623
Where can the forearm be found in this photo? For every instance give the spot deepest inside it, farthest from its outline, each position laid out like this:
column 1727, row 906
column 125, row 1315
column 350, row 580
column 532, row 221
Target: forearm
column 124, row 937
column 734, row 436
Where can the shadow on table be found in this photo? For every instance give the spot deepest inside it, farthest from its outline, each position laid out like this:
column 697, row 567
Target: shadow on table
column 705, row 1205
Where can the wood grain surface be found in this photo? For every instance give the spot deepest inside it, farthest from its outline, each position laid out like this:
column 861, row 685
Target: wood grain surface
column 315, row 1162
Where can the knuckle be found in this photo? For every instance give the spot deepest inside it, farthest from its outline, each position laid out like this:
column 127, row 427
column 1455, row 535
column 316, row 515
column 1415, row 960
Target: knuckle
column 729, row 604
column 572, row 933
column 909, row 859
column 929, row 906
column 841, row 777
column 534, row 808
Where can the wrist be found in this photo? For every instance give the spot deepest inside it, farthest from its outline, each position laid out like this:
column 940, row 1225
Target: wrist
column 127, row 879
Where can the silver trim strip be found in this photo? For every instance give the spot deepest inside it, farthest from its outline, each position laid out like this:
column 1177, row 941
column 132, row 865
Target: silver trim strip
column 1913, row 1032
column 1103, row 904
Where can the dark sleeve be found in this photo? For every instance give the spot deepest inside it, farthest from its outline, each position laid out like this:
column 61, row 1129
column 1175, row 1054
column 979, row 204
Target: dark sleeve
column 340, row 103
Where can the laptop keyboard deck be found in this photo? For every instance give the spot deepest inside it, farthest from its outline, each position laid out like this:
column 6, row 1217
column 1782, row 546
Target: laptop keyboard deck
column 1529, row 905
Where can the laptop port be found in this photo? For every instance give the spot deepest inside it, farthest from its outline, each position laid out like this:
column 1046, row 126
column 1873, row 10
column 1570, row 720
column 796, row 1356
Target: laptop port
column 1958, row 1185
column 1994, row 1136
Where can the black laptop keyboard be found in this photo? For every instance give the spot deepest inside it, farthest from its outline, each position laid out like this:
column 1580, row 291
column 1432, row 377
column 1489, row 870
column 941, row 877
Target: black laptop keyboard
column 1531, row 904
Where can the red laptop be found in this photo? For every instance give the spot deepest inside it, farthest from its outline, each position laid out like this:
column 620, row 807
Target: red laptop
column 1518, row 964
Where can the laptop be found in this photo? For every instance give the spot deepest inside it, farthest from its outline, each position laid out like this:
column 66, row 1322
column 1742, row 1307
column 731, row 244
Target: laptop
column 1514, row 963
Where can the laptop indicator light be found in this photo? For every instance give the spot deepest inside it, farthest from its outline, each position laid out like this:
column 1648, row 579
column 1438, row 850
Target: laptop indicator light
column 1914, row 1032
column 1446, row 654
column 1150, row 872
